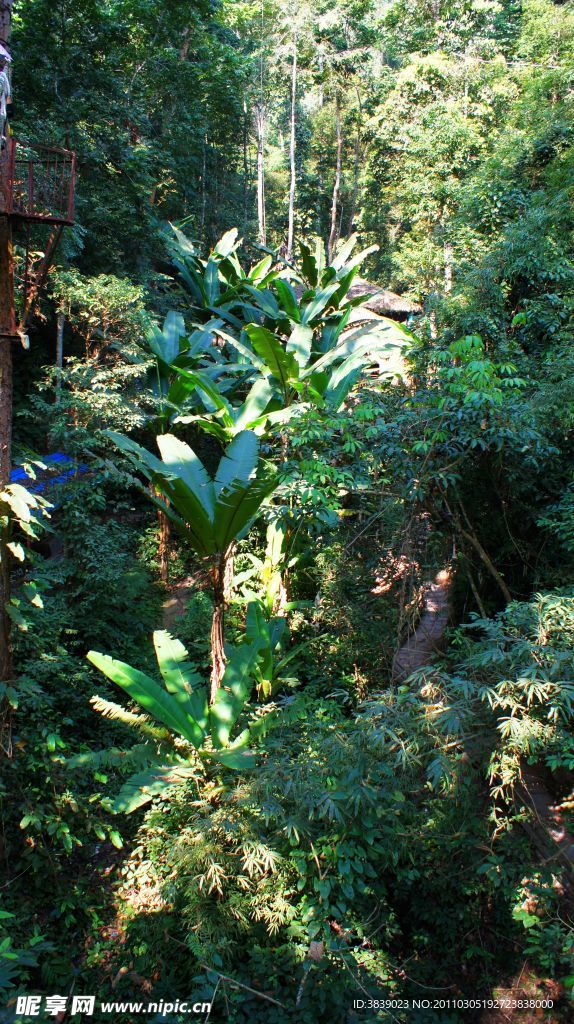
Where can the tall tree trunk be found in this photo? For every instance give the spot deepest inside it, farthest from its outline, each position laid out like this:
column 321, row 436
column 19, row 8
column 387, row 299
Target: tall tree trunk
column 260, row 129
column 356, row 175
column 292, row 151
column 163, row 547
column 60, row 324
column 245, row 168
column 7, row 338
column 217, row 626
column 321, row 68
column 337, row 184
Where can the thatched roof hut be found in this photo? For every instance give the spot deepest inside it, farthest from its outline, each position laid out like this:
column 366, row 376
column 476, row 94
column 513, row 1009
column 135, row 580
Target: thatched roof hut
column 382, row 301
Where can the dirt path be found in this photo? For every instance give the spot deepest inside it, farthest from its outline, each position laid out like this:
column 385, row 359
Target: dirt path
column 176, row 603
column 428, row 637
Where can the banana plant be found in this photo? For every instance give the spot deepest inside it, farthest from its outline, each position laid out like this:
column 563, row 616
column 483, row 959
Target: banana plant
column 326, row 379
column 320, row 298
column 172, row 349
column 218, row 285
column 271, row 632
column 258, row 412
column 177, row 354
column 179, row 726
column 303, row 339
column 309, row 339
column 211, row 513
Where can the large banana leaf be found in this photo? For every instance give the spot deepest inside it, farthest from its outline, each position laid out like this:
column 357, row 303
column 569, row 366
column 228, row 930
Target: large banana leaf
column 165, row 343
column 180, row 677
column 299, row 344
column 233, row 693
column 195, row 509
column 265, row 301
column 288, row 299
column 210, row 513
column 181, row 507
column 237, row 507
column 183, row 242
column 210, row 394
column 211, row 285
column 377, row 337
column 149, row 695
column 319, row 303
column 255, row 404
column 140, row 788
column 239, row 493
column 281, row 364
column 238, row 463
column 253, row 415
column 181, row 461
column 226, row 244
column 240, row 760
column 309, row 264
column 260, row 270
column 244, row 350
column 343, row 252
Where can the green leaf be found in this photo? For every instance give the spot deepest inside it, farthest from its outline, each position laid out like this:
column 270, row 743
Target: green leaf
column 185, row 465
column 210, row 395
column 357, row 260
column 194, row 520
column 261, row 269
column 288, row 299
column 165, row 344
column 17, row 550
column 319, row 302
column 300, row 344
column 257, row 632
column 142, row 787
column 282, row 365
column 238, row 463
column 183, row 681
column 145, row 692
column 226, row 244
column 240, row 760
column 255, row 404
column 207, row 425
column 211, row 278
column 265, row 301
column 233, row 693
column 344, row 250
column 236, row 507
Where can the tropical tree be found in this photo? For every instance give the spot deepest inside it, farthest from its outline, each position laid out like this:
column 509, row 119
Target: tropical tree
column 210, row 513
column 180, row 730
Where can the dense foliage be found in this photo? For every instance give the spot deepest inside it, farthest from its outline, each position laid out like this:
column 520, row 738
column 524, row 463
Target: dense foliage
column 270, row 469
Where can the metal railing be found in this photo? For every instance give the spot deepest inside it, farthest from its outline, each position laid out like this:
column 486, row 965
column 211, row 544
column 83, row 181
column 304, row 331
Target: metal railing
column 38, row 183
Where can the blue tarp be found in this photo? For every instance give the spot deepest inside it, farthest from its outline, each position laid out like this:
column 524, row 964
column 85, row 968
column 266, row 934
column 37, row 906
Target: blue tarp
column 53, row 462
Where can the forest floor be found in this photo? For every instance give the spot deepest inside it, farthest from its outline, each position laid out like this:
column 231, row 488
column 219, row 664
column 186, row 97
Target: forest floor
column 176, row 602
